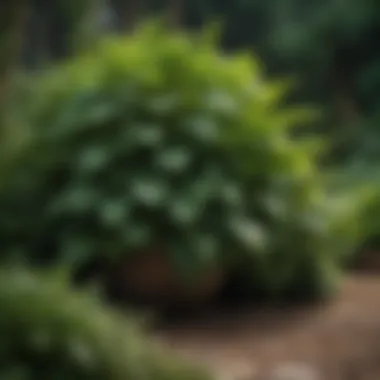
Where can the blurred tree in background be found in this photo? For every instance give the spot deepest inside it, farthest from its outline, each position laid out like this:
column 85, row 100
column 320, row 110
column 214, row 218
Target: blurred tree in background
column 329, row 47
column 57, row 28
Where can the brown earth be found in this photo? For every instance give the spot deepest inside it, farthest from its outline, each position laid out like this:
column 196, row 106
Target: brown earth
column 340, row 339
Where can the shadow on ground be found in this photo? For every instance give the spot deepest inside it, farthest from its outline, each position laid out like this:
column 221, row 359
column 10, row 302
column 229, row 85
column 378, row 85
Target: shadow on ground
column 338, row 340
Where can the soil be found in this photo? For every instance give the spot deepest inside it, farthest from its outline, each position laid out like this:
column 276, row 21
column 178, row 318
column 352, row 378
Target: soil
column 151, row 278
column 337, row 340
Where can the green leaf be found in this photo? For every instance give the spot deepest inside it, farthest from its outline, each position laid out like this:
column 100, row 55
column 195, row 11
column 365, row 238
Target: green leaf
column 77, row 198
column 145, row 134
column 203, row 128
column 76, row 251
column 93, row 159
column 164, row 104
column 184, row 212
column 137, row 236
column 232, row 194
column 207, row 248
column 114, row 212
column 250, row 234
column 149, row 191
column 174, row 159
column 221, row 102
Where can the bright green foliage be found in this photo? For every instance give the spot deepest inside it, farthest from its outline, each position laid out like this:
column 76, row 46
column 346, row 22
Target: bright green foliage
column 48, row 331
column 159, row 140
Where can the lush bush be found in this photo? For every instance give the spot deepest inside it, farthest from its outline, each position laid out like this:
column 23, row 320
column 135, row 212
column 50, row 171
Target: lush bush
column 159, row 140
column 49, row 331
column 136, row 145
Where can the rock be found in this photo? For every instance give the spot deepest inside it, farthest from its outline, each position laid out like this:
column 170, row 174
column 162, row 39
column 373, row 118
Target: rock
column 294, row 371
column 237, row 371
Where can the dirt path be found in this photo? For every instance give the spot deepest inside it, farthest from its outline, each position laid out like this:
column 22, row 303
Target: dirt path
column 339, row 340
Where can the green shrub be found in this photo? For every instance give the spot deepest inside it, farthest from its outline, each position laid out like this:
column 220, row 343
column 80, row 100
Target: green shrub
column 136, row 144
column 312, row 241
column 364, row 175
column 158, row 139
column 49, row 331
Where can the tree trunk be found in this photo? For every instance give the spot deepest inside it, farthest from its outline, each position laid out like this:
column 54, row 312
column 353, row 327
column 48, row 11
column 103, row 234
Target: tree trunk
column 12, row 24
column 175, row 13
